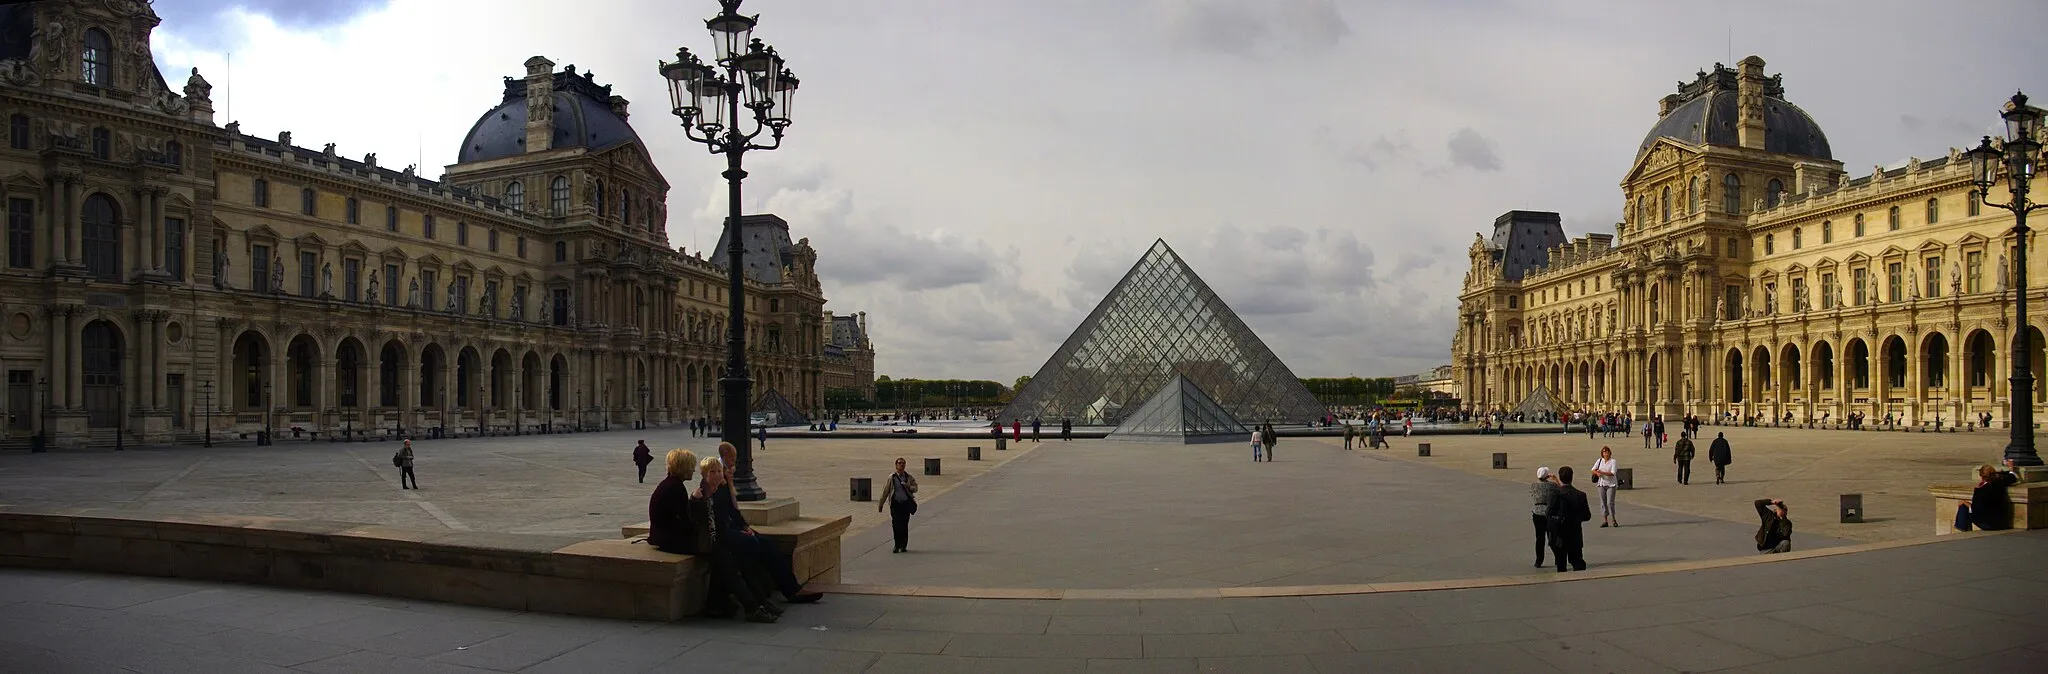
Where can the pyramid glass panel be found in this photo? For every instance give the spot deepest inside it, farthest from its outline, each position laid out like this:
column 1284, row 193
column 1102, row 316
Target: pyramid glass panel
column 1180, row 412
column 773, row 410
column 1162, row 321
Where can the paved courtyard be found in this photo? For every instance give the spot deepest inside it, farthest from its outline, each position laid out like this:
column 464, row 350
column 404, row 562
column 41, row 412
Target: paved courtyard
column 1973, row 605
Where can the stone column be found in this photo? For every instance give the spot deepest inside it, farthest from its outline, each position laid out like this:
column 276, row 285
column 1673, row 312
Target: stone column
column 135, row 231
column 156, row 229
column 140, row 389
column 53, row 220
column 74, row 369
column 74, row 215
column 60, row 355
column 323, row 378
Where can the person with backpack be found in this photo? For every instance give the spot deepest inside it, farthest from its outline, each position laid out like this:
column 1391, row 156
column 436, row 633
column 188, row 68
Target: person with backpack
column 403, row 461
column 900, row 495
column 641, row 457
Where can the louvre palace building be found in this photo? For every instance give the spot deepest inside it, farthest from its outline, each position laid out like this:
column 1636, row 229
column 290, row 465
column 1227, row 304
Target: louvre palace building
column 1752, row 274
column 164, row 272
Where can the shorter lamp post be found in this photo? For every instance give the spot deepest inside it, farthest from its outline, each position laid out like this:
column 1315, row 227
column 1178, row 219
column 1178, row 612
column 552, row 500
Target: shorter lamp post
column 120, row 415
column 268, row 435
column 643, row 407
column 42, row 440
column 206, row 403
column 441, row 421
column 517, row 409
column 2019, row 156
column 604, row 411
column 706, row 405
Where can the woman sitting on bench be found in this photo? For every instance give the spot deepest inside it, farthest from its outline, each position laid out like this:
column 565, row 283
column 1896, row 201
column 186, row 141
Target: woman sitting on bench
column 680, row 522
column 1989, row 508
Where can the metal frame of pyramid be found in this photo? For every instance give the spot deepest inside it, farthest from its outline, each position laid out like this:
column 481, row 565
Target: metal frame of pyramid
column 785, row 414
column 1539, row 401
column 1162, row 320
column 1180, row 412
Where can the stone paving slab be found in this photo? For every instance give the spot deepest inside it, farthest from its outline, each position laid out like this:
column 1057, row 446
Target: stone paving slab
column 1949, row 617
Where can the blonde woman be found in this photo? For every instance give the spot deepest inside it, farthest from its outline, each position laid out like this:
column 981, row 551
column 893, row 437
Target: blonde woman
column 679, row 522
column 749, row 550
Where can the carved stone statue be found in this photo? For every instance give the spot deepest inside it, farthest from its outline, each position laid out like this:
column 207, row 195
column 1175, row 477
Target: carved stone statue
column 1838, row 297
column 1913, row 287
column 277, row 274
column 412, row 293
column 518, row 306
column 452, row 306
column 547, row 307
column 220, row 269
column 2003, row 272
column 1955, row 279
column 1875, row 298
column 198, row 90
column 1720, row 308
column 327, row 279
column 373, row 287
column 49, row 43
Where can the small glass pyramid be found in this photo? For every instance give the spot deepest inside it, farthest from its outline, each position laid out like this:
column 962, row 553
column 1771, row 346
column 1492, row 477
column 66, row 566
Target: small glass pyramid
column 778, row 411
column 1180, row 412
column 1159, row 322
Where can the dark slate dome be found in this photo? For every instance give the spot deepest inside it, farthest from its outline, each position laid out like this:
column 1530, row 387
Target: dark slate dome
column 1706, row 115
column 583, row 117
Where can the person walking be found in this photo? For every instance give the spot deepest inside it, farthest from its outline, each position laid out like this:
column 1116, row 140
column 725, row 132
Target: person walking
column 1658, row 421
column 1407, row 425
column 1350, row 435
column 900, row 494
column 1258, row 445
column 1647, row 430
column 643, row 456
column 1775, row 535
column 1034, row 429
column 1567, row 511
column 1271, row 439
column 1603, row 477
column 1718, row 453
column 1016, row 430
column 1540, row 494
column 1066, row 429
column 1681, row 454
column 761, row 435
column 403, row 460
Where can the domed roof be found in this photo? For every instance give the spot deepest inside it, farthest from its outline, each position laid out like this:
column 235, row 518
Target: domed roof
column 1706, row 115
column 583, row 117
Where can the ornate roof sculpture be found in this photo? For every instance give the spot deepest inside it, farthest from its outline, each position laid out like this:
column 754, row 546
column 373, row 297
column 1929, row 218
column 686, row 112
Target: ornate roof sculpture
column 581, row 112
column 1707, row 111
column 1180, row 413
column 1160, row 322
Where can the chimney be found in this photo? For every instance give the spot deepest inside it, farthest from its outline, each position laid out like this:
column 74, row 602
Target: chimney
column 540, row 104
column 1666, row 104
column 1749, row 102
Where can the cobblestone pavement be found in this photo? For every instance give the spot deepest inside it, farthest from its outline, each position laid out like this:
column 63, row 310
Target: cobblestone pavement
column 573, row 484
column 1976, row 604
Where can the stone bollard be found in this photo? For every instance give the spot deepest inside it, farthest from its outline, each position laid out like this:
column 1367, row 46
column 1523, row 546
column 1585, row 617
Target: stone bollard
column 1852, row 508
column 1422, row 449
column 1002, row 444
column 862, row 488
column 973, row 453
column 1624, row 478
column 1500, row 460
column 931, row 465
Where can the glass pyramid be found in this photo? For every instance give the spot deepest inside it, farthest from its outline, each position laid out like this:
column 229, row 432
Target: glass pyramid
column 1180, row 412
column 773, row 410
column 1161, row 320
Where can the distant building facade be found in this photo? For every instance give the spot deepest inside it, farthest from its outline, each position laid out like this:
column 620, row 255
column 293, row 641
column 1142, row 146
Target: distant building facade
column 1438, row 382
column 1752, row 274
column 849, row 356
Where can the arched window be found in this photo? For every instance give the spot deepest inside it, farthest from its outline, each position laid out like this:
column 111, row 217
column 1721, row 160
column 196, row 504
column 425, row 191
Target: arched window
column 1664, row 204
column 601, row 194
column 515, row 195
column 1859, row 224
column 308, row 202
column 1771, row 198
column 1692, row 196
column 1731, row 195
column 1827, row 231
column 1798, row 238
column 174, row 154
column 101, row 238
column 558, row 196
column 1892, row 219
column 98, row 69
column 1933, row 211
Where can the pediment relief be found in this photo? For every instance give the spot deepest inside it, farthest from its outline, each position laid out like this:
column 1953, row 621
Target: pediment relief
column 178, row 201
column 1795, row 270
column 309, row 240
column 25, row 180
column 1931, row 245
column 1662, row 155
column 1891, row 251
column 354, row 246
column 464, row 266
column 1858, row 257
column 430, row 259
column 1826, row 263
column 395, row 253
column 494, row 270
column 1972, row 239
column 261, row 231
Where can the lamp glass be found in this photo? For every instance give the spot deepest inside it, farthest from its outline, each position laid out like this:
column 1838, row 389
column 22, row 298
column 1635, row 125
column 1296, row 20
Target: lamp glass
column 730, row 32
column 2021, row 122
column 1984, row 165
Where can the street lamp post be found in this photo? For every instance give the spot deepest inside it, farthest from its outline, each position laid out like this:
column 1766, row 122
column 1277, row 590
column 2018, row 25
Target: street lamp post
column 42, row 441
column 2019, row 156
column 206, row 402
column 707, row 97
column 120, row 414
column 517, row 403
column 643, row 407
column 268, row 436
column 605, row 405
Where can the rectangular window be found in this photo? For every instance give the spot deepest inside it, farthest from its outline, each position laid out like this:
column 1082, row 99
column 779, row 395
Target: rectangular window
column 391, row 281
column 1859, row 224
column 102, row 144
column 21, row 233
column 461, row 233
column 1827, row 291
column 309, row 202
column 522, row 248
column 309, row 272
column 430, row 291
column 21, row 387
column 461, row 294
column 353, row 211
column 1862, row 289
column 561, row 251
column 561, row 316
column 259, row 193
column 352, row 280
column 427, row 228
column 174, row 248
column 1896, row 274
column 1933, row 277
column 490, row 308
column 1976, row 203
column 1973, row 274
column 1731, row 300
column 391, row 218
column 259, row 268
column 1512, row 301
column 491, row 240
column 1799, row 293
column 519, row 292
column 17, row 132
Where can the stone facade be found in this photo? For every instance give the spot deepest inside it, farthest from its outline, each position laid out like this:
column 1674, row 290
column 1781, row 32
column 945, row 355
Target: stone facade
column 1753, row 275
column 849, row 356
column 163, row 271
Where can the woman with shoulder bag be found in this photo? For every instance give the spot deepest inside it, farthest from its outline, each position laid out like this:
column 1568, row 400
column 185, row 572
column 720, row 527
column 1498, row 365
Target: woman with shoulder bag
column 900, row 495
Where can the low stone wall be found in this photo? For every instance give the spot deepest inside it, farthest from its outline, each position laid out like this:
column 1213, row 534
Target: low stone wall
column 553, row 574
column 2029, row 505
column 812, row 544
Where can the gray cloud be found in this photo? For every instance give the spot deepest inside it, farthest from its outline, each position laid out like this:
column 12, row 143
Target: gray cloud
column 1247, row 28
column 202, row 21
column 1473, row 151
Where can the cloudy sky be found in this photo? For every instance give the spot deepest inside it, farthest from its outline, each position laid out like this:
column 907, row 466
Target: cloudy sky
column 977, row 174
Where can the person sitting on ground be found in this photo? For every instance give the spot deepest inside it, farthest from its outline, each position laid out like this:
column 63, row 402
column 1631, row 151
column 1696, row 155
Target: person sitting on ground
column 680, row 523
column 1988, row 508
column 1775, row 535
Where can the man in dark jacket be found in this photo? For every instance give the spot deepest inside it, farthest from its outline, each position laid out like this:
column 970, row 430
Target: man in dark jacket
column 641, row 457
column 1719, row 454
column 1682, row 454
column 1066, row 429
column 1567, row 511
column 1775, row 535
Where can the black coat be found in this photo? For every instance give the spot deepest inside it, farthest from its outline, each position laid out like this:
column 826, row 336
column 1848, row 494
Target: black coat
column 1990, row 507
column 1718, row 453
column 1568, row 508
column 675, row 521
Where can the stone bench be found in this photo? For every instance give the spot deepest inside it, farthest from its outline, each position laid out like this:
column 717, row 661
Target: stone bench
column 2029, row 505
column 554, row 574
column 812, row 543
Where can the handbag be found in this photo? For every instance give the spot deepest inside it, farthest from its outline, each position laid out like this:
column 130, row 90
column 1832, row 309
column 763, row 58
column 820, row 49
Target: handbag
column 909, row 502
column 1962, row 517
